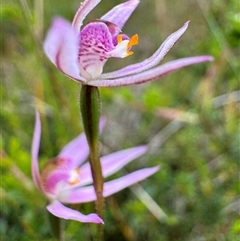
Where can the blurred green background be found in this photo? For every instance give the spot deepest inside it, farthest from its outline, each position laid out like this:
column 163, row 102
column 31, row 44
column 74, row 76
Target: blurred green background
column 189, row 118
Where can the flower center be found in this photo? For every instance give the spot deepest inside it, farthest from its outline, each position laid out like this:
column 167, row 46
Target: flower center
column 124, row 46
column 58, row 175
column 74, row 176
column 100, row 41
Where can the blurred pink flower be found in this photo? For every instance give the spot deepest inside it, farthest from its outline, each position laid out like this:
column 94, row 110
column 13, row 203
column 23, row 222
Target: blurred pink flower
column 81, row 53
column 65, row 179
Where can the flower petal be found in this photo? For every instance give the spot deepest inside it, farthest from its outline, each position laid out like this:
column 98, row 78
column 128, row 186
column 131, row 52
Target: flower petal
column 119, row 184
column 34, row 152
column 55, row 181
column 59, row 210
column 77, row 150
column 87, row 194
column 152, row 74
column 61, row 46
column 84, row 9
column 112, row 163
column 121, row 13
column 96, row 42
column 77, row 195
column 153, row 60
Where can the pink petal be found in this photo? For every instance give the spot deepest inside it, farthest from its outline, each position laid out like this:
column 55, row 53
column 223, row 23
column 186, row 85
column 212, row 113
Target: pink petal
column 96, row 42
column 119, row 184
column 61, row 46
column 152, row 74
column 87, row 194
column 59, row 210
column 121, row 13
column 54, row 180
column 153, row 60
column 112, row 163
column 77, row 150
column 77, row 195
column 84, row 9
column 34, row 152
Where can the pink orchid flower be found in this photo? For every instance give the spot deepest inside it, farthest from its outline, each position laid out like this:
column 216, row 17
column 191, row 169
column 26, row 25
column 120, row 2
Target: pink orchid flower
column 65, row 179
column 80, row 53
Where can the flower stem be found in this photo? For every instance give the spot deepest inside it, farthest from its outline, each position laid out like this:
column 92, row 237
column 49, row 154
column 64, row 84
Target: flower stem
column 90, row 111
column 56, row 225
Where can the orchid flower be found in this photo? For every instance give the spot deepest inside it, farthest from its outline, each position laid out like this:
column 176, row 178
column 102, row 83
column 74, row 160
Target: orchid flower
column 65, row 179
column 80, row 53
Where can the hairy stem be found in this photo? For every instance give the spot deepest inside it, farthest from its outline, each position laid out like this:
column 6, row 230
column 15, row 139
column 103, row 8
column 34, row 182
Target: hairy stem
column 90, row 111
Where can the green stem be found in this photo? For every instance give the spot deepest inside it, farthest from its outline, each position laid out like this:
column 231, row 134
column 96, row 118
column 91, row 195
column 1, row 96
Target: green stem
column 56, row 225
column 90, row 111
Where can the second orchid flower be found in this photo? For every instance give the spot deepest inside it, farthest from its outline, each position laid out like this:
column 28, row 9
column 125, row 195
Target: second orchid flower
column 65, row 179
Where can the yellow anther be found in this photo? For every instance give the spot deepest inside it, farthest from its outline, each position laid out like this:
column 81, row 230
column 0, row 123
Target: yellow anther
column 73, row 182
column 120, row 38
column 129, row 53
column 133, row 41
column 123, row 47
column 74, row 179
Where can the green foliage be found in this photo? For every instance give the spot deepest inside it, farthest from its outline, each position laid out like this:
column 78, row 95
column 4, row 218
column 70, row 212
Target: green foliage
column 198, row 184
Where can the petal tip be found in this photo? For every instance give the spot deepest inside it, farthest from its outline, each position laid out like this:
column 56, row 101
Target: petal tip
column 143, row 148
column 95, row 218
column 207, row 58
column 210, row 58
column 186, row 24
